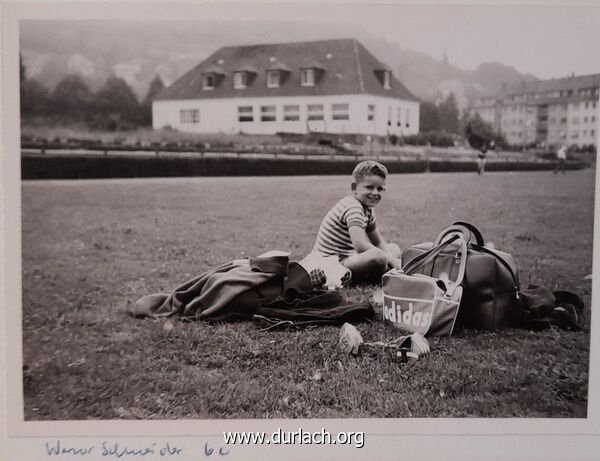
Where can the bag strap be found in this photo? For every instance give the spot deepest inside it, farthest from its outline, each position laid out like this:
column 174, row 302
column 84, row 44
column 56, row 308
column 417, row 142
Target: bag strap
column 512, row 270
column 460, row 226
column 462, row 267
column 428, row 256
column 452, row 285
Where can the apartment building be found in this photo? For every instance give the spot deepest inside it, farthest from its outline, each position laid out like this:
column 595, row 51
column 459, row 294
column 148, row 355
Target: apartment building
column 546, row 112
column 334, row 86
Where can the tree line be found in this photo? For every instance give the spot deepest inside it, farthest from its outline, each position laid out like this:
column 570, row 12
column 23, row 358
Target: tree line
column 442, row 121
column 116, row 107
column 113, row 107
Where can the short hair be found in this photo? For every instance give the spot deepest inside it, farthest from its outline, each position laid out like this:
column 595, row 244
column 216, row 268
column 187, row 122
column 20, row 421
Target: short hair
column 369, row 167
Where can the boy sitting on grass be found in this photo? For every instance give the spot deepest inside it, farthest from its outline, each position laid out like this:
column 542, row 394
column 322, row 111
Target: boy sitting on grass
column 349, row 229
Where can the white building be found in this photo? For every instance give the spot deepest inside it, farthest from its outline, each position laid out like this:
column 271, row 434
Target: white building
column 333, row 86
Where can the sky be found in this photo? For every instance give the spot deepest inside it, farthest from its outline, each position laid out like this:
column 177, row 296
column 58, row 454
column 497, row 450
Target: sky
column 546, row 39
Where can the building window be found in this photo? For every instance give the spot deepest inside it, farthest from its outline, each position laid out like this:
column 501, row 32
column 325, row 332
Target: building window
column 239, row 80
column 592, row 133
column 189, row 116
column 272, row 78
column 585, row 119
column 291, row 113
column 371, row 112
column 586, row 105
column 315, row 112
column 594, row 105
column 307, row 77
column 593, row 118
column 268, row 114
column 563, row 120
column 584, row 132
column 407, row 117
column 208, row 82
column 245, row 114
column 340, row 112
column 399, row 116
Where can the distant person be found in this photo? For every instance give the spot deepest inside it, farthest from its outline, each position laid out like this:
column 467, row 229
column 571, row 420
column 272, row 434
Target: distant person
column 561, row 155
column 349, row 229
column 481, row 159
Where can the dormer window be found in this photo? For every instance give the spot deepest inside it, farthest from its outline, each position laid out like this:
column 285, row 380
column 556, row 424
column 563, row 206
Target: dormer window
column 273, row 78
column 240, row 80
column 208, row 81
column 386, row 79
column 384, row 75
column 307, row 77
column 212, row 77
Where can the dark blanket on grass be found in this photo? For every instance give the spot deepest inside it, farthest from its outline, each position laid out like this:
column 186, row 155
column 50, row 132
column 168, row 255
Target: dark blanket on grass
column 237, row 289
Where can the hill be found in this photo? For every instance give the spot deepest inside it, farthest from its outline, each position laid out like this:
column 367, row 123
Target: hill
column 139, row 50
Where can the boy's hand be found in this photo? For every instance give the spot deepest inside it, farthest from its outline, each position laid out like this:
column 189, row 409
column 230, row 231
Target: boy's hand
column 396, row 263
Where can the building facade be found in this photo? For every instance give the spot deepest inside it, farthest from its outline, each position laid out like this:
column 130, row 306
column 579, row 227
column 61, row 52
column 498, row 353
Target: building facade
column 333, row 86
column 548, row 112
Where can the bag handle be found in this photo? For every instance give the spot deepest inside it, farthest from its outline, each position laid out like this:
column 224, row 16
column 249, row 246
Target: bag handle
column 428, row 256
column 460, row 226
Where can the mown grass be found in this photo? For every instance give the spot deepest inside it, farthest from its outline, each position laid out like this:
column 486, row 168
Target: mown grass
column 92, row 247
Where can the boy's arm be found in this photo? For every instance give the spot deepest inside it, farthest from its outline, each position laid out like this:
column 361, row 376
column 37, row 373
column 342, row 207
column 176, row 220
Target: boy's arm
column 361, row 241
column 376, row 239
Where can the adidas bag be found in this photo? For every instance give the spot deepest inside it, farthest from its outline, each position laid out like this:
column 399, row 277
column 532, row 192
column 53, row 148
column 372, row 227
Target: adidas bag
column 419, row 303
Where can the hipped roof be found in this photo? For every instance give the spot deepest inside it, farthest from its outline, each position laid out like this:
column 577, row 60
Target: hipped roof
column 348, row 68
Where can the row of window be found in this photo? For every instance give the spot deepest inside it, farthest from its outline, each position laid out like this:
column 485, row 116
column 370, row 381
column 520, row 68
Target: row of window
column 242, row 79
column 314, row 112
column 554, row 108
column 573, row 134
column 551, row 94
column 291, row 113
column 551, row 120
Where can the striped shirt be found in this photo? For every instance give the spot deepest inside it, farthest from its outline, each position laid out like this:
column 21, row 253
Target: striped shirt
column 333, row 237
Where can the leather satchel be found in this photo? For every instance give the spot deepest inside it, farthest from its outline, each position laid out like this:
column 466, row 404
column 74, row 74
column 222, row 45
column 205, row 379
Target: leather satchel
column 490, row 299
column 418, row 303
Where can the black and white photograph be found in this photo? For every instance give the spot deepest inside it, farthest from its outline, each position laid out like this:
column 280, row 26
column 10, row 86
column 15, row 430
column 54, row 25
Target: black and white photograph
column 303, row 212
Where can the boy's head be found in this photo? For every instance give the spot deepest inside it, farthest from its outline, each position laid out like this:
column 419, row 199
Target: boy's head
column 368, row 183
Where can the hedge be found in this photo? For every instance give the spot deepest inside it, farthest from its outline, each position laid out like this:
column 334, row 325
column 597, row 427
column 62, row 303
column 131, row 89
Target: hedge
column 49, row 166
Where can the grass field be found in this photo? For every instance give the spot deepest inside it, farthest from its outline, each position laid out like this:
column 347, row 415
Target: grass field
column 90, row 248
